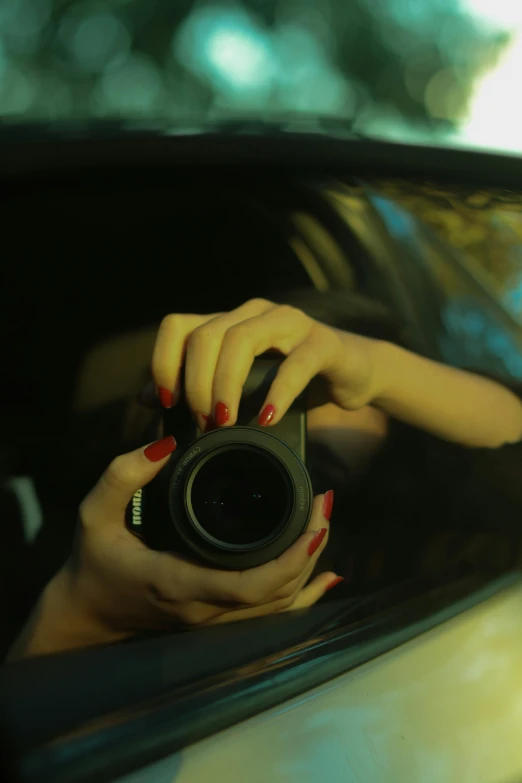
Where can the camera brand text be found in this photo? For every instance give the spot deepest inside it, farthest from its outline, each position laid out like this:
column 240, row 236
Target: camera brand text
column 136, row 507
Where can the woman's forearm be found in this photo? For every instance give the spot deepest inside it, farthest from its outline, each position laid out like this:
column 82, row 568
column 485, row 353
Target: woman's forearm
column 58, row 623
column 452, row 404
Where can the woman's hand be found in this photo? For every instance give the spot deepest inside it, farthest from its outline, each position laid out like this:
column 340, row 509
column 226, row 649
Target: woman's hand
column 114, row 586
column 218, row 351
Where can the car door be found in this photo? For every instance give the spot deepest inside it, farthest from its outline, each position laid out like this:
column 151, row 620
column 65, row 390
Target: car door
column 402, row 686
column 445, row 707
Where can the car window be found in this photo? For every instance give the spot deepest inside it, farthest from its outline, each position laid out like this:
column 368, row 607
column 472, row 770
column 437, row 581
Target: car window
column 108, row 250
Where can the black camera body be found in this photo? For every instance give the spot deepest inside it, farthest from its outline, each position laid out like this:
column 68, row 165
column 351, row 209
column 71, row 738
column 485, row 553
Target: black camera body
column 235, row 497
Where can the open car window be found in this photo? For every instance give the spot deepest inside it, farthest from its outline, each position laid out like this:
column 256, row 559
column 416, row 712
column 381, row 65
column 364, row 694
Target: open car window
column 117, row 240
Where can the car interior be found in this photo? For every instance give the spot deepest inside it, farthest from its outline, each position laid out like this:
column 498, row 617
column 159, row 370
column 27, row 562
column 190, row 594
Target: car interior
column 96, row 251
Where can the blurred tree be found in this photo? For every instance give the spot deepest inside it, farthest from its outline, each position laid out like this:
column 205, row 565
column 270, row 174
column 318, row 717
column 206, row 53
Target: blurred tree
column 378, row 63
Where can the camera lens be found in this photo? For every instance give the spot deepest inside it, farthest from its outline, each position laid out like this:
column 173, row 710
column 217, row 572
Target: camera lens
column 240, row 496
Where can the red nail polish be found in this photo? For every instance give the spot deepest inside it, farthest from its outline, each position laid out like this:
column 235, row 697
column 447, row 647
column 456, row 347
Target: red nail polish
column 160, row 449
column 328, row 504
column 166, row 397
column 221, row 414
column 317, row 541
column 266, row 415
column 335, row 582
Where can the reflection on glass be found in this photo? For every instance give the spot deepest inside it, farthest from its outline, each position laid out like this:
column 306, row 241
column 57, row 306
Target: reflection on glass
column 472, row 248
column 482, row 228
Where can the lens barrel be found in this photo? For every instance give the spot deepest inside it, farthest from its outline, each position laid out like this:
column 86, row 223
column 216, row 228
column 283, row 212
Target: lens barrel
column 239, row 497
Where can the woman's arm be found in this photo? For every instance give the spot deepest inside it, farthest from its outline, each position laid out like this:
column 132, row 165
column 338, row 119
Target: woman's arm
column 60, row 622
column 452, row 404
column 219, row 350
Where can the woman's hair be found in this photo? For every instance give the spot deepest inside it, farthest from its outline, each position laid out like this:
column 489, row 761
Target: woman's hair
column 344, row 309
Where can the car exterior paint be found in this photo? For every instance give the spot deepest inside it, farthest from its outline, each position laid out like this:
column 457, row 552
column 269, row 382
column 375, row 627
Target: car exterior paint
column 445, row 707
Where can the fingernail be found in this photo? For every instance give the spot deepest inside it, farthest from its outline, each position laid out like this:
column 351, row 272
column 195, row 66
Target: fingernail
column 166, row 397
column 221, row 414
column 266, row 415
column 160, row 449
column 335, row 582
column 328, row 504
column 317, row 541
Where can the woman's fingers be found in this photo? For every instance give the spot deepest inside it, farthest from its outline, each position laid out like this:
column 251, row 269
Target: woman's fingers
column 314, row 591
column 219, row 350
column 256, row 585
column 281, row 328
column 169, row 353
column 318, row 545
column 203, row 351
column 196, row 339
column 315, row 355
column 301, row 599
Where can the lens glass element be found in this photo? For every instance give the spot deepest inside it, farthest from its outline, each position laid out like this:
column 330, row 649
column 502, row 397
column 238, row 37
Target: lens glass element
column 240, row 496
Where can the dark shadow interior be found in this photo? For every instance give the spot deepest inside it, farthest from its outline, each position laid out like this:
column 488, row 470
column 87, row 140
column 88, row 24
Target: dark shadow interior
column 105, row 255
column 96, row 258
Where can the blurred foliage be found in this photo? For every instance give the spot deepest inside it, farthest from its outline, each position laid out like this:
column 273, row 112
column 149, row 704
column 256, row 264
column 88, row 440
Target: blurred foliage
column 404, row 68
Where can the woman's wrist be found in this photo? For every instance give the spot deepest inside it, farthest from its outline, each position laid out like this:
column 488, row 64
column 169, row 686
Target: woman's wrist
column 378, row 367
column 384, row 360
column 60, row 621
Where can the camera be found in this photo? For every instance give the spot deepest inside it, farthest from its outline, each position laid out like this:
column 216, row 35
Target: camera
column 234, row 497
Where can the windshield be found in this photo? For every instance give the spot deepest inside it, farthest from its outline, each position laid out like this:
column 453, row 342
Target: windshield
column 437, row 71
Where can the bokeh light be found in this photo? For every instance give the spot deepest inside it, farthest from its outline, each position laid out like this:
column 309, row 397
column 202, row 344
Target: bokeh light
column 230, row 51
column 494, row 118
column 22, row 23
column 129, row 88
column 94, row 38
column 442, row 71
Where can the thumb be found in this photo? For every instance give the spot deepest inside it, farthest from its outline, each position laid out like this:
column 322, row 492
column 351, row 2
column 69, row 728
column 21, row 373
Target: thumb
column 125, row 475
